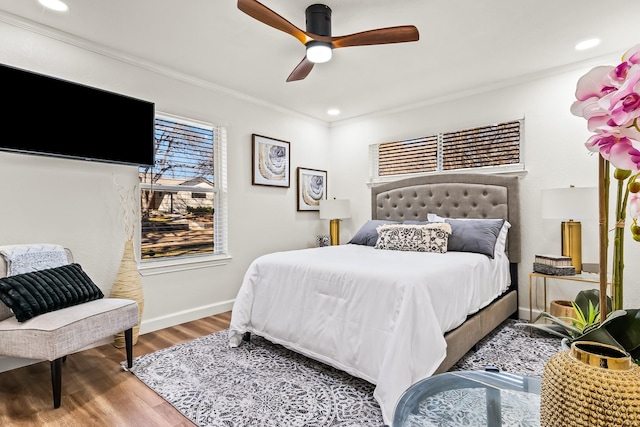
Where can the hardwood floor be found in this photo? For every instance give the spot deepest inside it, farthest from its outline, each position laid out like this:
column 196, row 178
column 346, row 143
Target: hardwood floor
column 95, row 389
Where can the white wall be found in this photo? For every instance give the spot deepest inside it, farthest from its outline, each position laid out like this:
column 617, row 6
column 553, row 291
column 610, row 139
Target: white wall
column 554, row 156
column 76, row 204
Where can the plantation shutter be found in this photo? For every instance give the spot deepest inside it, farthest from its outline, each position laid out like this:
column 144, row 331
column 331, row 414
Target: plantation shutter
column 496, row 145
column 412, row 156
column 492, row 145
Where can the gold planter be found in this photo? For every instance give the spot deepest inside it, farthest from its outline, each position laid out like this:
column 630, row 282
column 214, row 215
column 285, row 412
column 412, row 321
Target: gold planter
column 590, row 385
column 561, row 308
column 128, row 285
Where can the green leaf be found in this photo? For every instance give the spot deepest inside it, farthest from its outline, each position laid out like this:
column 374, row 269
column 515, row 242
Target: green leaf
column 600, row 335
column 625, row 328
column 592, row 296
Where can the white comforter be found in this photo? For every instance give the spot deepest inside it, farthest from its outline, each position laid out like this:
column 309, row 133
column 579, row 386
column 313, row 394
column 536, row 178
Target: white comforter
column 377, row 314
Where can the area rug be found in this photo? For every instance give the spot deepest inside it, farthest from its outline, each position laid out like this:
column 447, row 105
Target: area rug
column 263, row 384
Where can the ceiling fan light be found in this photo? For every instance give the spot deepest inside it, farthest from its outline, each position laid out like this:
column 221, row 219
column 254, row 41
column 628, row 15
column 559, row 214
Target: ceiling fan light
column 318, row 52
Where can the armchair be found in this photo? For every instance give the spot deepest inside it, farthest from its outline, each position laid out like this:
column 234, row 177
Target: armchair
column 55, row 334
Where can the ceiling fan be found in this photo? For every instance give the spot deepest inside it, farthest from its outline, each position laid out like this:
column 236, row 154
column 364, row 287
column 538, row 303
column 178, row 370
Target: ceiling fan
column 317, row 39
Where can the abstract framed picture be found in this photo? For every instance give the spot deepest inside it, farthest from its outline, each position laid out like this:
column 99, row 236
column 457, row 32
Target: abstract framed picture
column 312, row 187
column 270, row 161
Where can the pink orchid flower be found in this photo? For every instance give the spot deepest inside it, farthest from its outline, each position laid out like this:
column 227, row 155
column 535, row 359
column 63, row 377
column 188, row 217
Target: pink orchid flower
column 596, row 83
column 623, row 104
column 632, row 55
column 619, row 150
column 591, row 87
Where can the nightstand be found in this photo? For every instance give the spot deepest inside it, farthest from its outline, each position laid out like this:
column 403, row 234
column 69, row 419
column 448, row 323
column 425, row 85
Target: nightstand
column 582, row 277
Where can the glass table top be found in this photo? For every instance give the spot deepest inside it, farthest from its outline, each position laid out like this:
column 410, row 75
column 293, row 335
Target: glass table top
column 470, row 398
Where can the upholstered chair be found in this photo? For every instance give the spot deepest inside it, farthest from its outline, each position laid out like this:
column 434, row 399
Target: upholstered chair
column 54, row 335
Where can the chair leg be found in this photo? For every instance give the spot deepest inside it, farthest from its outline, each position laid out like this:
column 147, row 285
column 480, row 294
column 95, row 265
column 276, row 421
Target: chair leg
column 128, row 339
column 56, row 380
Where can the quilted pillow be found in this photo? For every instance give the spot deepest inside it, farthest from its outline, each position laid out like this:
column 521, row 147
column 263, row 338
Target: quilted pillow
column 368, row 234
column 38, row 292
column 419, row 238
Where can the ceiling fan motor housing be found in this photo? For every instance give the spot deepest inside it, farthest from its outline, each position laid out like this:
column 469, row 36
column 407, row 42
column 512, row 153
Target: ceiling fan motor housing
column 319, row 19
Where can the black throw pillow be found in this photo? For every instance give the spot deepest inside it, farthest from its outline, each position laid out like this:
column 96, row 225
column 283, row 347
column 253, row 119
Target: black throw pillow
column 38, row 292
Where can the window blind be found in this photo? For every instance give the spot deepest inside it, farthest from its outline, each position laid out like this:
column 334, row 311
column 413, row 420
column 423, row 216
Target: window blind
column 480, row 147
column 183, row 208
column 492, row 145
column 402, row 157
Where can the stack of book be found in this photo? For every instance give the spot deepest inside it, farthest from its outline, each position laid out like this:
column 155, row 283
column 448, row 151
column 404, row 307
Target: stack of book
column 555, row 265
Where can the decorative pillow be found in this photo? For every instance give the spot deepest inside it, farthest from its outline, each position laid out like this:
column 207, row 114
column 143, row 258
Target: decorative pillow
column 38, row 292
column 419, row 238
column 368, row 235
column 474, row 235
column 501, row 243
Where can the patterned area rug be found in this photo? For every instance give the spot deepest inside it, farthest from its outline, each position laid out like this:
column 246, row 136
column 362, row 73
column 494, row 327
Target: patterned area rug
column 263, row 384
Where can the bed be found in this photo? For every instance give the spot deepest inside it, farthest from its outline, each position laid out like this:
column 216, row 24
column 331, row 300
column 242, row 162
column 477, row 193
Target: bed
column 393, row 317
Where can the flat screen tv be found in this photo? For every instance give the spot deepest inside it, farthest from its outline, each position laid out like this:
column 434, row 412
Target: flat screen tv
column 53, row 117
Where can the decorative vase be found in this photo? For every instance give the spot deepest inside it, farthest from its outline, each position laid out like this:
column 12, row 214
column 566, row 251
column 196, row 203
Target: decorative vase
column 128, row 285
column 590, row 385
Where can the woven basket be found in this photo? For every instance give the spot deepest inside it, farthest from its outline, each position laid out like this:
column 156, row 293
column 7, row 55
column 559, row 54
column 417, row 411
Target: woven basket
column 561, row 308
column 590, row 385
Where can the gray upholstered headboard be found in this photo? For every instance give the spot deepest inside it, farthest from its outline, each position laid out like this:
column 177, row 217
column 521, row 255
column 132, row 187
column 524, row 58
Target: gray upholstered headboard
column 453, row 196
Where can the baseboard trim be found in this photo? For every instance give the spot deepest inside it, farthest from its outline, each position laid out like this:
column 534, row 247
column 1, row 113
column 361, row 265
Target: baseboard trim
column 184, row 316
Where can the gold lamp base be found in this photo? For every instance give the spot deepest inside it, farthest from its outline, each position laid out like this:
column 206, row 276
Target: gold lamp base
column 572, row 243
column 334, row 231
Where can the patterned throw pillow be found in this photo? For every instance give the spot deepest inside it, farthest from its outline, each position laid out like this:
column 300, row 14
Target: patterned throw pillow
column 419, row 238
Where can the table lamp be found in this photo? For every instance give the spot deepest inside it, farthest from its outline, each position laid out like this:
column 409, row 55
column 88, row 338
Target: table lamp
column 334, row 210
column 571, row 205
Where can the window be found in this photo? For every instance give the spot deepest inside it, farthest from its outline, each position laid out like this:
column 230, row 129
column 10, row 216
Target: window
column 183, row 196
column 493, row 147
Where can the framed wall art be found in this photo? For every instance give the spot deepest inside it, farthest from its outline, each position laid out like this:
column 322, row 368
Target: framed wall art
column 312, row 187
column 270, row 161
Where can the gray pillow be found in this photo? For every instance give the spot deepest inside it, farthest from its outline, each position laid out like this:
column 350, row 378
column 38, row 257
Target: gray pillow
column 474, row 235
column 368, row 235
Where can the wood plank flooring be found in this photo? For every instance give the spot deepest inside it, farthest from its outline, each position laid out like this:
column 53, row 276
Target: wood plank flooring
column 95, row 389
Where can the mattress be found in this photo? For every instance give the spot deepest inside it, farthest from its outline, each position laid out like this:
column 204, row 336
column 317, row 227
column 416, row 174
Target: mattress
column 377, row 314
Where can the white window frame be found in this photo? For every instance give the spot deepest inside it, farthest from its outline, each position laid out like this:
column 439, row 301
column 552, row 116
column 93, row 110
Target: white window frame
column 221, row 257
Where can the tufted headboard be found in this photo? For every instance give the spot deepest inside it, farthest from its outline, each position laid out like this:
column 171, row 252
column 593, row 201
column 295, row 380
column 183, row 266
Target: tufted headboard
column 456, row 195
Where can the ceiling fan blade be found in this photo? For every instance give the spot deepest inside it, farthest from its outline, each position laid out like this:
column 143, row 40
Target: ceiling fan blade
column 301, row 71
column 265, row 15
column 405, row 33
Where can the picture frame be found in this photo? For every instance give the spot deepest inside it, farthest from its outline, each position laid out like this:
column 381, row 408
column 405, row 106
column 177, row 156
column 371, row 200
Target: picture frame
column 271, row 161
column 312, row 187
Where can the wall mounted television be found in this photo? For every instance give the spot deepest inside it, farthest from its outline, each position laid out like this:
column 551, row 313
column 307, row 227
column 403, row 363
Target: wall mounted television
column 55, row 117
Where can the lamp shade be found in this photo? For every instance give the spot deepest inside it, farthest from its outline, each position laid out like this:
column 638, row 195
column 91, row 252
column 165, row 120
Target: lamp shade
column 334, row 209
column 575, row 203
column 318, row 52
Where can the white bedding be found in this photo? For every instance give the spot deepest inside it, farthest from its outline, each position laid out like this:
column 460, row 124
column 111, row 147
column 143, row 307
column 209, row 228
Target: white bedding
column 377, row 314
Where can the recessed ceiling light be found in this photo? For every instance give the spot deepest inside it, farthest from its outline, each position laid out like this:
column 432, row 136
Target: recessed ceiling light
column 57, row 5
column 333, row 111
column 587, row 44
